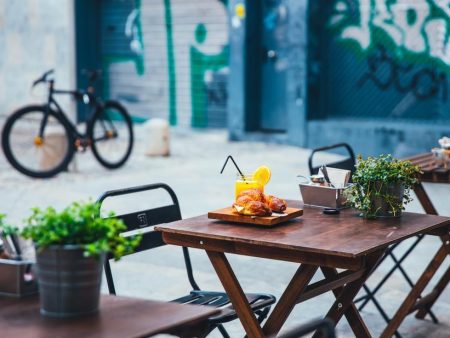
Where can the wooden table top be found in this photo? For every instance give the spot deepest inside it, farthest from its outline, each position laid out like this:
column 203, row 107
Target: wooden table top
column 431, row 170
column 343, row 235
column 119, row 317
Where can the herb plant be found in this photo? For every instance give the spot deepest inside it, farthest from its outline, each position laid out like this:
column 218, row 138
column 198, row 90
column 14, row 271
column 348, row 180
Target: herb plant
column 5, row 228
column 79, row 224
column 372, row 179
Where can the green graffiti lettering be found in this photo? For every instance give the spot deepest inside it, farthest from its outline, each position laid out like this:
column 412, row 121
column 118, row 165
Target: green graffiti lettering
column 171, row 65
column 418, row 30
column 200, row 64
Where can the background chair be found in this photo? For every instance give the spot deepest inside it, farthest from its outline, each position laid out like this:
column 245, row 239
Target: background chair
column 347, row 163
column 145, row 220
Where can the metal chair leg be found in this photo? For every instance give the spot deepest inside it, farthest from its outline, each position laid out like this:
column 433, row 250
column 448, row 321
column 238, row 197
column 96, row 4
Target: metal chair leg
column 263, row 314
column 396, row 266
column 223, row 331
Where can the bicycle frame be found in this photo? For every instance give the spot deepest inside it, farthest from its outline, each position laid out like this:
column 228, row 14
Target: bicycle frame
column 79, row 96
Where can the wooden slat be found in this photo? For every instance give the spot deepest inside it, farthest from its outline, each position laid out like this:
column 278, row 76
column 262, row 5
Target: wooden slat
column 344, row 302
column 352, row 313
column 287, row 301
column 270, row 252
column 417, row 290
column 236, row 294
column 328, row 284
column 422, row 302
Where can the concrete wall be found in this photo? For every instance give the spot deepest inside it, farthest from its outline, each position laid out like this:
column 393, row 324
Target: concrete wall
column 35, row 36
column 167, row 58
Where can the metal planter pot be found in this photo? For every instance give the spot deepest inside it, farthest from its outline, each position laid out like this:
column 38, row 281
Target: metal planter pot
column 380, row 204
column 69, row 283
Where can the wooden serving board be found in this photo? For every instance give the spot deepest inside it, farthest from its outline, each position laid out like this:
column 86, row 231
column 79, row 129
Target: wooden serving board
column 230, row 215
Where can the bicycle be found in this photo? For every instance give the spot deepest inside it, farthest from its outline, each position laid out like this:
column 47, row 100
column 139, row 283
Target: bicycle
column 40, row 140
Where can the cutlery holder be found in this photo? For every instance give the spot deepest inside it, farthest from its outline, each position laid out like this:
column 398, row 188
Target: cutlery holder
column 15, row 278
column 323, row 196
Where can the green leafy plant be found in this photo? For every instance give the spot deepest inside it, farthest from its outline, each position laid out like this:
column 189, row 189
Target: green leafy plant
column 79, row 224
column 372, row 180
column 5, row 228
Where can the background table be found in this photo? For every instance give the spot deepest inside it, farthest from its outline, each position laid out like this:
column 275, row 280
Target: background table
column 431, row 173
column 119, row 317
column 315, row 240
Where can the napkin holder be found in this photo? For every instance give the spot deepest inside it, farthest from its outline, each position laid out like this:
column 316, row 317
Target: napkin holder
column 323, row 195
column 16, row 279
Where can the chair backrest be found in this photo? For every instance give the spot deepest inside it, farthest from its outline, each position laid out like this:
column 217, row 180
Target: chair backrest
column 348, row 163
column 144, row 220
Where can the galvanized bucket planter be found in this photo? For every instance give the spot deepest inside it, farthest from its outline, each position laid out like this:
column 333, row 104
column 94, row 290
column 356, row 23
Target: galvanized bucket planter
column 69, row 283
column 381, row 206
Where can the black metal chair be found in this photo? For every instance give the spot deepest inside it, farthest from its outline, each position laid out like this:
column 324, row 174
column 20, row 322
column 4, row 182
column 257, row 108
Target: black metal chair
column 349, row 164
column 146, row 220
column 324, row 326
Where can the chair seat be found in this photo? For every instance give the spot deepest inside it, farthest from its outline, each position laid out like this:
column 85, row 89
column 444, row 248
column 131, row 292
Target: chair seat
column 221, row 300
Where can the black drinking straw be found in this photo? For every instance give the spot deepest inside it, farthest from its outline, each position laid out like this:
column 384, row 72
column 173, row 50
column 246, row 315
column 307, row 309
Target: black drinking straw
column 239, row 170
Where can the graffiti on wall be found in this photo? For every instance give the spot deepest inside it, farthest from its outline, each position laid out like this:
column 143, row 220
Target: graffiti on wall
column 202, row 65
column 206, row 57
column 414, row 28
column 129, row 35
column 406, row 43
column 183, row 61
column 385, row 73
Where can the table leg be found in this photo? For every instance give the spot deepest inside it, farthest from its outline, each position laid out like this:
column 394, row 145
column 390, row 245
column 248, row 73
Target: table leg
column 409, row 303
column 288, row 299
column 438, row 289
column 344, row 301
column 424, row 199
column 236, row 294
column 354, row 319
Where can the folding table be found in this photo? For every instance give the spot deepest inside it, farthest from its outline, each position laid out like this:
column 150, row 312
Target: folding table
column 432, row 172
column 316, row 241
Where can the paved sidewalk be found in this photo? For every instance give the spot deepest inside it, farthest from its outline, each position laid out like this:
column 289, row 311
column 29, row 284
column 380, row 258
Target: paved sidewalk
column 193, row 171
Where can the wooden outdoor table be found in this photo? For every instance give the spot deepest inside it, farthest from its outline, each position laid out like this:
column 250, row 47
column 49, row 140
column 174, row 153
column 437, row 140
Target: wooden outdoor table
column 315, row 240
column 431, row 173
column 119, row 317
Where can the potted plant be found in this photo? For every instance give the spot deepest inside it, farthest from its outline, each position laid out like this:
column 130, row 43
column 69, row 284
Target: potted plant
column 71, row 246
column 382, row 186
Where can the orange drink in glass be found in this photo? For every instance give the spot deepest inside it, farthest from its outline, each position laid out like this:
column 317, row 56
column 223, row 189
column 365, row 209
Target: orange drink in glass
column 247, row 182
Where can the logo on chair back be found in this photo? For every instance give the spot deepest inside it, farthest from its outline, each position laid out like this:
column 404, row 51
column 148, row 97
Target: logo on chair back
column 142, row 220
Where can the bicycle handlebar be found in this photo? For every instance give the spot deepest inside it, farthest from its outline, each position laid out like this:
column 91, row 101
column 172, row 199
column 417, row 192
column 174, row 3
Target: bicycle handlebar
column 43, row 78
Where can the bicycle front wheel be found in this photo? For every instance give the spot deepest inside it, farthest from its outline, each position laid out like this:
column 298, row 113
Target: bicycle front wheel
column 111, row 134
column 31, row 153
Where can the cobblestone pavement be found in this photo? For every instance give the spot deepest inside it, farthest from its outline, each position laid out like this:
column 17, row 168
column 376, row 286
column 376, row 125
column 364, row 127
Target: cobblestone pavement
column 192, row 170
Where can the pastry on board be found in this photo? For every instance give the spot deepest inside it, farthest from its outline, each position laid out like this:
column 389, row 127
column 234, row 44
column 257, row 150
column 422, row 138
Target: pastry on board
column 254, row 194
column 253, row 208
column 253, row 202
column 275, row 204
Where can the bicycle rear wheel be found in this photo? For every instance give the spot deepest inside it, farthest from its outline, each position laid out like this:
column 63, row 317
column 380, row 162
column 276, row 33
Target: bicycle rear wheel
column 111, row 133
column 31, row 154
